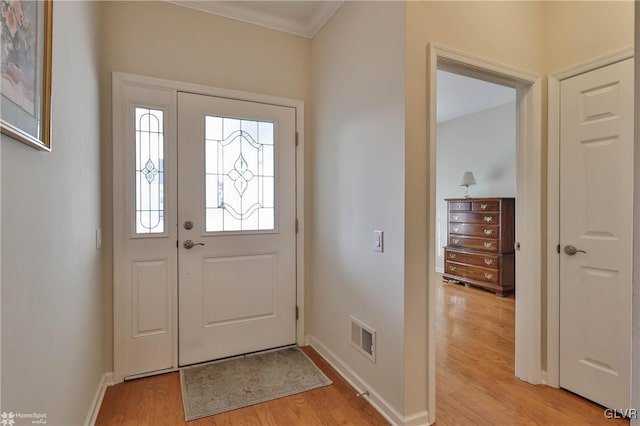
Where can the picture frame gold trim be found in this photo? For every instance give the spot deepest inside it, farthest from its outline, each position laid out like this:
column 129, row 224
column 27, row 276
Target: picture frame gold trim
column 41, row 140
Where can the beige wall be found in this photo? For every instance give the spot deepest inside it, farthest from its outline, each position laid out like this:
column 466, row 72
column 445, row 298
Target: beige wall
column 163, row 40
column 357, row 167
column 52, row 354
column 576, row 31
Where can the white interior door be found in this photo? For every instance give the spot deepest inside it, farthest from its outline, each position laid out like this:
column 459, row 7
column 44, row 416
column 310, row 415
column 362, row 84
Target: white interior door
column 596, row 202
column 236, row 227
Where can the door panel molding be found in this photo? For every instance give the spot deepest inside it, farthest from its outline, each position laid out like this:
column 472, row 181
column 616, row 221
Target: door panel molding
column 552, row 374
column 165, row 94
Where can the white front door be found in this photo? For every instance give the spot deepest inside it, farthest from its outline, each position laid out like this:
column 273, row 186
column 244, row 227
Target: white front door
column 236, row 227
column 596, row 202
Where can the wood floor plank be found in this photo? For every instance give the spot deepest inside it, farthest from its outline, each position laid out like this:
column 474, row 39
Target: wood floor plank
column 157, row 401
column 476, row 385
column 475, row 358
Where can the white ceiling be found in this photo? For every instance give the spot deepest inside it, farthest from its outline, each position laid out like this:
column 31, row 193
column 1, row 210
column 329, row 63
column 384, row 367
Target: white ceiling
column 304, row 18
column 459, row 95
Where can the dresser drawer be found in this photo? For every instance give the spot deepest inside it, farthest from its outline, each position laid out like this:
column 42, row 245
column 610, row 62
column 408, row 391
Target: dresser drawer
column 467, row 271
column 476, row 230
column 460, row 206
column 485, row 244
column 485, row 206
column 470, row 217
column 484, row 260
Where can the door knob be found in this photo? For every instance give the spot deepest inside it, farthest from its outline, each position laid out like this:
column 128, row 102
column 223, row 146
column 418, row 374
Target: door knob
column 188, row 244
column 571, row 250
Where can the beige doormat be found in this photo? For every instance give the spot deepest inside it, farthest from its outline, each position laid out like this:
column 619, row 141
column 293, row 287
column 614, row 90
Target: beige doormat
column 239, row 382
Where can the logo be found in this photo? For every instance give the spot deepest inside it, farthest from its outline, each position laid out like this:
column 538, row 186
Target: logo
column 10, row 418
column 6, row 419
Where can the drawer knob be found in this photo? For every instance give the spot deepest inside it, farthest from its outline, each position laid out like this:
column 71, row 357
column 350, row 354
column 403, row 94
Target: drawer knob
column 455, row 218
column 455, row 230
column 460, row 206
column 488, row 261
column 488, row 231
column 452, row 268
column 452, row 255
column 488, row 276
column 487, row 245
column 483, row 206
column 488, row 218
column 455, row 241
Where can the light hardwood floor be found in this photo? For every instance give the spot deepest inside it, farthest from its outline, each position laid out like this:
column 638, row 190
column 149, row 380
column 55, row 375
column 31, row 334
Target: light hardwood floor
column 475, row 383
column 157, row 401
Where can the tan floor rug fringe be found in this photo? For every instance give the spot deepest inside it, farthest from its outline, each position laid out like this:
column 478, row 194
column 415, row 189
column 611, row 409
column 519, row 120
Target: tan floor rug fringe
column 227, row 385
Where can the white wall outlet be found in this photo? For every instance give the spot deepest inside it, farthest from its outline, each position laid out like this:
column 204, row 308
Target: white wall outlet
column 378, row 244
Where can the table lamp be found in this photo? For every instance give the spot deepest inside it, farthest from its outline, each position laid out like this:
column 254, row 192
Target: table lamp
column 467, row 180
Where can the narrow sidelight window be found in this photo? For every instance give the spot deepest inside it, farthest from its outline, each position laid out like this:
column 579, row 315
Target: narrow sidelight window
column 149, row 171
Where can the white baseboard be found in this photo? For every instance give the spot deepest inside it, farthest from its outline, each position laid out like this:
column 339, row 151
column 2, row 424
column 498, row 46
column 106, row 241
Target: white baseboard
column 378, row 402
column 417, row 419
column 96, row 403
column 543, row 378
column 307, row 340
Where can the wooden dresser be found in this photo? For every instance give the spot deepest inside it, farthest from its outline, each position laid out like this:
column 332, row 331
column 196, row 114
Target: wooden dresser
column 480, row 238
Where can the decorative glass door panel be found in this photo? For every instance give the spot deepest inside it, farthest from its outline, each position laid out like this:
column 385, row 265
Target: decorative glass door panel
column 239, row 175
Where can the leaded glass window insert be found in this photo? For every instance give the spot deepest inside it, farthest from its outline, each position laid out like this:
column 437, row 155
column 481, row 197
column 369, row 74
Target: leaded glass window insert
column 239, row 175
column 149, row 178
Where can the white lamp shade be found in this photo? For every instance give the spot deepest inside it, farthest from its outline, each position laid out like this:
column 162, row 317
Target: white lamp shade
column 467, row 179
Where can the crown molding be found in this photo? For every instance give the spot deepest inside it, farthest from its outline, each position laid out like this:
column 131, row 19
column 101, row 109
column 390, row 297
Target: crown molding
column 242, row 11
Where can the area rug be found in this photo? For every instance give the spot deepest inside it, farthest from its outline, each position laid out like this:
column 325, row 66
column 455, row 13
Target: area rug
column 239, row 382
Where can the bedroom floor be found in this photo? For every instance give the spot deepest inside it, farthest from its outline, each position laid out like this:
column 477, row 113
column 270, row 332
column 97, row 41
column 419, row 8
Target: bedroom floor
column 475, row 381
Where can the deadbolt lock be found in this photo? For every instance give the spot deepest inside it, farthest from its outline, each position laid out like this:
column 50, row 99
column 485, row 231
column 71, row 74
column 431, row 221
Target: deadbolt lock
column 188, row 224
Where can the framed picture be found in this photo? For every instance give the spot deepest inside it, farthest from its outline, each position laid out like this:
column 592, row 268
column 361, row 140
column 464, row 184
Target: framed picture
column 25, row 71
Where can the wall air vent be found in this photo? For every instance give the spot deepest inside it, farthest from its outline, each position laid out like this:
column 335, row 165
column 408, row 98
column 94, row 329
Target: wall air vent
column 363, row 338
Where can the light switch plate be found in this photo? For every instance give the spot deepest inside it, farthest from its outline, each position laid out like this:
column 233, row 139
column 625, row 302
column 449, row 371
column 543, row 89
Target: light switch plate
column 378, row 243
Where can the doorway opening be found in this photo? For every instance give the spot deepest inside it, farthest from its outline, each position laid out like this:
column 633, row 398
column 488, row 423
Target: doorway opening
column 475, row 218
column 528, row 338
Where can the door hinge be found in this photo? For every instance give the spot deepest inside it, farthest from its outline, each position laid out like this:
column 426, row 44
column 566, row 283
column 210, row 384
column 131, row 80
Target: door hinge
column 558, row 248
column 177, row 244
column 296, row 226
column 297, row 313
column 297, row 141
